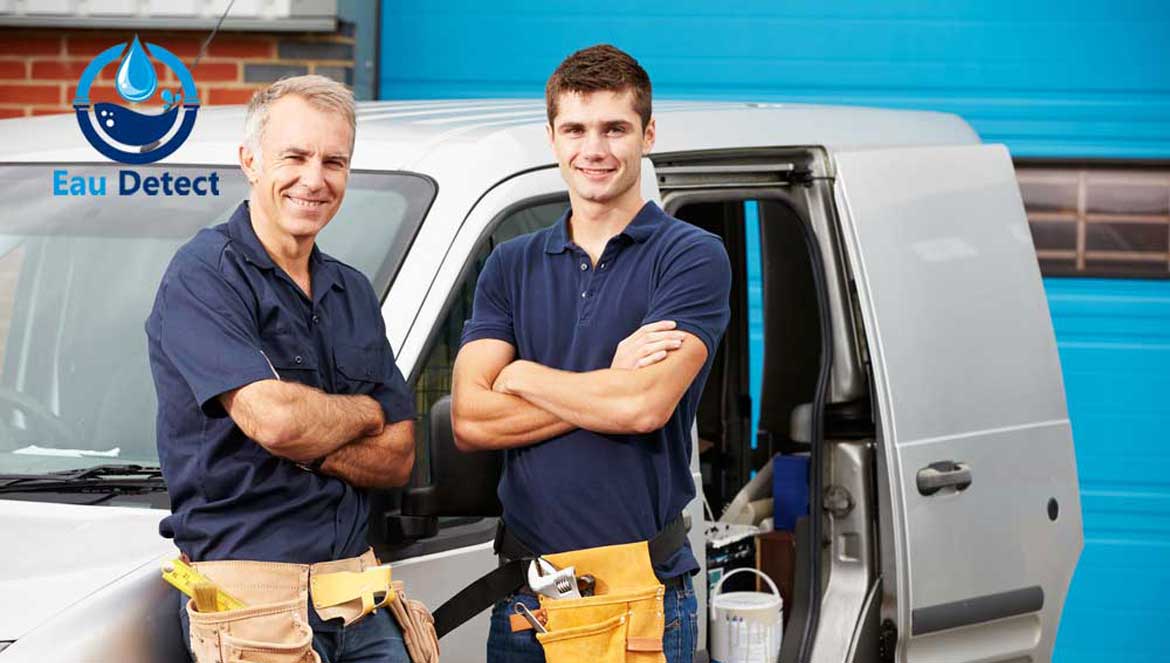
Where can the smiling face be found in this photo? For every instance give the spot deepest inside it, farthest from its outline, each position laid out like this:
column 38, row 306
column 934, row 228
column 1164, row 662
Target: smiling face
column 299, row 175
column 598, row 140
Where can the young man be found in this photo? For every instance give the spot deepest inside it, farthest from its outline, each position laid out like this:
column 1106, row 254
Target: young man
column 588, row 348
column 267, row 443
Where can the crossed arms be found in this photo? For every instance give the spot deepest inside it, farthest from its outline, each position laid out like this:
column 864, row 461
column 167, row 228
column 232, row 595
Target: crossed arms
column 302, row 424
column 500, row 403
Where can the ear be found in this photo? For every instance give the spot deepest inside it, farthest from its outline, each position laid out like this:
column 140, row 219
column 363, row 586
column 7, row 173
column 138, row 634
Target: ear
column 248, row 164
column 548, row 131
column 648, row 137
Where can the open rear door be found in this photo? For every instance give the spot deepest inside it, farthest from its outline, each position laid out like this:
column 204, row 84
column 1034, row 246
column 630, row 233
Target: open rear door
column 981, row 518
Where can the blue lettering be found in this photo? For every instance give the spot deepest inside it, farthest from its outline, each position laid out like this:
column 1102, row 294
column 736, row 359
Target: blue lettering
column 64, row 185
column 125, row 176
column 132, row 182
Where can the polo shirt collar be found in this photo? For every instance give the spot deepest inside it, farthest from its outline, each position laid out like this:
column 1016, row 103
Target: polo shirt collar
column 240, row 229
column 639, row 229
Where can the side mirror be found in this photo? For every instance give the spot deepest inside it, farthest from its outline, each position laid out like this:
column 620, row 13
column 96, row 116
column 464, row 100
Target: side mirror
column 462, row 484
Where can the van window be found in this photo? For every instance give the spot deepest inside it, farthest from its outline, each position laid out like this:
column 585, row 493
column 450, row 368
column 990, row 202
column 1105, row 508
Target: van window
column 434, row 378
column 78, row 275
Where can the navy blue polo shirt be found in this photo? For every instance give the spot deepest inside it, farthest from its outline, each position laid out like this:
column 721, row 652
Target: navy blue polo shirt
column 541, row 293
column 225, row 315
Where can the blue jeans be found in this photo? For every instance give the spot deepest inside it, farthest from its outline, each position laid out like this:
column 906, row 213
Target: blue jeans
column 678, row 641
column 375, row 638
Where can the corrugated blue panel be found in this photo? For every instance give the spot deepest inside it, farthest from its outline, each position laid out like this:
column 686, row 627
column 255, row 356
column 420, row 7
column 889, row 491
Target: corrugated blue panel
column 1079, row 78
column 1114, row 341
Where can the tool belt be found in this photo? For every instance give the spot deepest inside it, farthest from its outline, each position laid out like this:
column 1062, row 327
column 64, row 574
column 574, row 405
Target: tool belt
column 273, row 625
column 623, row 621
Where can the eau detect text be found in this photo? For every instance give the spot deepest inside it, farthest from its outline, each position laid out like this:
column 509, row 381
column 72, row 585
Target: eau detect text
column 133, row 183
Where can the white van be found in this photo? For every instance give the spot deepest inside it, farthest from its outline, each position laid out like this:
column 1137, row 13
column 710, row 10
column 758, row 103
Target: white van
column 908, row 352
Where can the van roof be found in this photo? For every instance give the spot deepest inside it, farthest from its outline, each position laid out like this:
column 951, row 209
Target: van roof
column 509, row 133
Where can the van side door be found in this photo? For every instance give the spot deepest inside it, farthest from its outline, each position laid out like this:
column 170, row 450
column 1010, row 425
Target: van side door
column 980, row 512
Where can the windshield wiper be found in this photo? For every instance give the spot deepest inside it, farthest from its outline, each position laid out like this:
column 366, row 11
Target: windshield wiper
column 97, row 479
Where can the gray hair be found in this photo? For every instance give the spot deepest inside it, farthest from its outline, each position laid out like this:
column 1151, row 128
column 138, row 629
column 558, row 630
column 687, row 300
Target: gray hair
column 322, row 93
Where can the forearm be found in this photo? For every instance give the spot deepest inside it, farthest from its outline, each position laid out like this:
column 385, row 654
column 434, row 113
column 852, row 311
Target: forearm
column 604, row 401
column 298, row 422
column 377, row 461
column 487, row 420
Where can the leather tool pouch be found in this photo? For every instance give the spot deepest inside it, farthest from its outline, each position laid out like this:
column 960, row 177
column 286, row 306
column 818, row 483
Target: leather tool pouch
column 273, row 628
column 418, row 627
column 350, row 588
column 622, row 622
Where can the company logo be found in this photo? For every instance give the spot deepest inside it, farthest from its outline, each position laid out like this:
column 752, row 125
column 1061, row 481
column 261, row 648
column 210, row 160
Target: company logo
column 127, row 135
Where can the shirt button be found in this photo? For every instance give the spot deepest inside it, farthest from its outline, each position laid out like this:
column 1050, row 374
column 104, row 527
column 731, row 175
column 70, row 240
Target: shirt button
column 584, row 295
column 316, row 318
column 298, row 359
column 603, row 265
column 584, row 267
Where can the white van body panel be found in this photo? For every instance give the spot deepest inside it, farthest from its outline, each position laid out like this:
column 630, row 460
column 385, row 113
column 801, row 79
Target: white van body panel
column 484, row 156
column 55, row 555
column 965, row 369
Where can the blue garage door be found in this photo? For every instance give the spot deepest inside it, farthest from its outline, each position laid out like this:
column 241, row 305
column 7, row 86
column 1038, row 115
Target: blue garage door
column 1078, row 78
column 1114, row 342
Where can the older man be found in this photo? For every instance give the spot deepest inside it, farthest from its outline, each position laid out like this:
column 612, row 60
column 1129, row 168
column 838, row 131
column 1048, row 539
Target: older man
column 267, row 437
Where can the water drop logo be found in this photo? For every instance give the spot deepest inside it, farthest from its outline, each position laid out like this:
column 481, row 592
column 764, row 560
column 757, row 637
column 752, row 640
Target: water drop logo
column 125, row 134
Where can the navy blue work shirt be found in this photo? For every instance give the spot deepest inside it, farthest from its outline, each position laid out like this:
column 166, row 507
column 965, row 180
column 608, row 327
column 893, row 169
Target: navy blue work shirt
column 541, row 293
column 225, row 315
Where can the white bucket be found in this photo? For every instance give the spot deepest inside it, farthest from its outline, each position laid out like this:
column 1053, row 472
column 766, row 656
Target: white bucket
column 746, row 627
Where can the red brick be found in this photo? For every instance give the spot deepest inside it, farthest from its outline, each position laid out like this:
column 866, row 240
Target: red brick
column 13, row 70
column 242, row 47
column 96, row 93
column 208, row 72
column 30, row 93
column 90, row 45
column 225, row 95
column 50, row 111
column 30, row 45
column 47, row 70
column 11, row 112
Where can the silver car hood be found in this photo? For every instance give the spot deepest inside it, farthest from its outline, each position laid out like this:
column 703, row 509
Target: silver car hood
column 55, row 555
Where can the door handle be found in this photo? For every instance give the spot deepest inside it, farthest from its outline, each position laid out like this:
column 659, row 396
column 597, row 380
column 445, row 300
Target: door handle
column 943, row 474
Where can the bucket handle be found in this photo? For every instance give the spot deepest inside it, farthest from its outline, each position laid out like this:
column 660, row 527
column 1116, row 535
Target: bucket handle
column 719, row 585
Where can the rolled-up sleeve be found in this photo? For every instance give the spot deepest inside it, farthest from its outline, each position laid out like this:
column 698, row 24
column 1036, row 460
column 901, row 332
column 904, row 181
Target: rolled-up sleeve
column 209, row 333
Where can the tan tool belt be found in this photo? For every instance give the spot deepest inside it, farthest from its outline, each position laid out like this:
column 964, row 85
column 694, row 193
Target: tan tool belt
column 622, row 622
column 273, row 627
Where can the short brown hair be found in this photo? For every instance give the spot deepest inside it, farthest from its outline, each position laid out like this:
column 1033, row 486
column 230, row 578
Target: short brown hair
column 597, row 68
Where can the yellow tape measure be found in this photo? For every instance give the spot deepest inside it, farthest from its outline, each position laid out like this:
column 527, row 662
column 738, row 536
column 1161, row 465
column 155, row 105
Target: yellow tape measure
column 186, row 579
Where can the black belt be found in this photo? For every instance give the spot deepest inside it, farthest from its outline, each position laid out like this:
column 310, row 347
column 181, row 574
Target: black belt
column 511, row 574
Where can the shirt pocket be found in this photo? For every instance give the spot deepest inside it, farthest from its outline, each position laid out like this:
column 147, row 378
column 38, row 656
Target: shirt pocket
column 291, row 359
column 359, row 369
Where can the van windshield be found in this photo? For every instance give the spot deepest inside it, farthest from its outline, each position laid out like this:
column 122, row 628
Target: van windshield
column 78, row 275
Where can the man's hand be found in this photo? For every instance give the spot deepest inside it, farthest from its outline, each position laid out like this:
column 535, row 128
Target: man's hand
column 377, row 461
column 298, row 422
column 608, row 400
column 648, row 345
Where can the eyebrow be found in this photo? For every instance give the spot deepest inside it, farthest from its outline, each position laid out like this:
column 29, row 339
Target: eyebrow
column 302, row 152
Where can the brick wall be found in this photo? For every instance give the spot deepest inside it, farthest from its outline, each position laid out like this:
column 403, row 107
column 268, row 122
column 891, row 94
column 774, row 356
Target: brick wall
column 39, row 68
